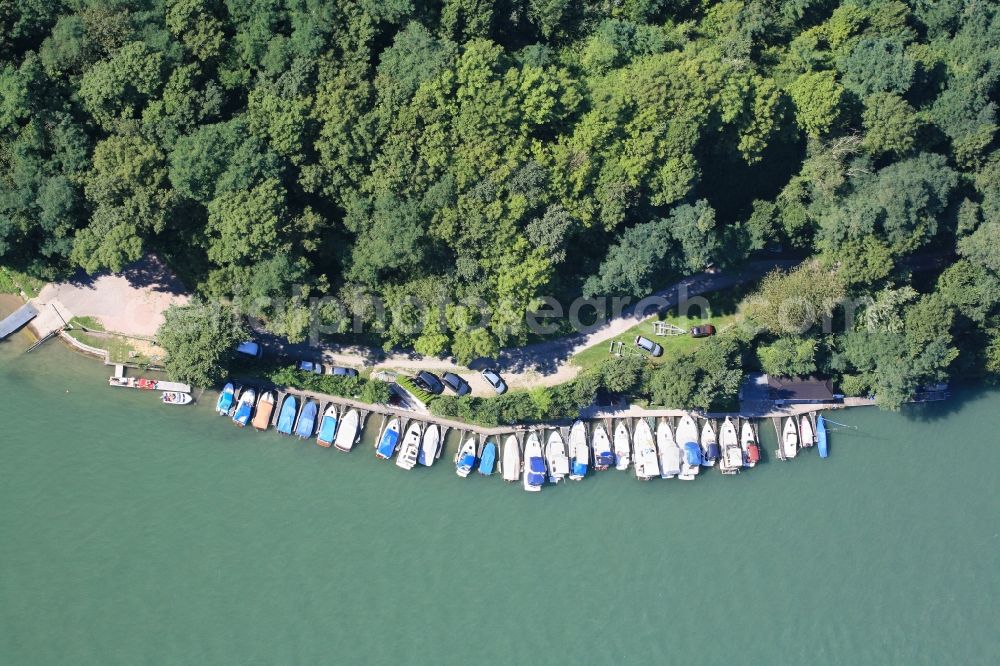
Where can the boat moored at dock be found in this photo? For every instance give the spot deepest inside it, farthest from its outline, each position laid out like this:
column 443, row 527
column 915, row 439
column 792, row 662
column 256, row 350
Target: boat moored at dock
column 224, row 405
column 534, row 465
column 429, row 445
column 244, row 408
column 601, row 444
column 669, row 451
column 647, row 464
column 465, row 459
column 579, row 452
column 748, row 442
column 623, row 447
column 327, row 426
column 388, row 440
column 821, row 443
column 732, row 455
column 710, row 451
column 347, row 431
column 687, row 438
column 511, row 460
column 286, row 417
column 806, row 435
column 789, row 439
column 556, row 458
column 265, row 410
column 306, row 424
column 489, row 458
column 410, row 448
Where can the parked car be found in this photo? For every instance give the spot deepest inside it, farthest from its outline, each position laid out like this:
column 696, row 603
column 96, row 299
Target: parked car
column 648, row 346
column 343, row 372
column 429, row 382
column 250, row 348
column 455, row 383
column 702, row 331
column 496, row 381
column 309, row 366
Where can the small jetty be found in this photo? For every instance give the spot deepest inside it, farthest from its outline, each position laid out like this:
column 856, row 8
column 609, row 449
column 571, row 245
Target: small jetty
column 17, row 320
column 120, row 380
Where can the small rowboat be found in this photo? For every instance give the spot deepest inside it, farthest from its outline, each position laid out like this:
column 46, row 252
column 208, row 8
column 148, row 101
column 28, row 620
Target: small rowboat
column 172, row 398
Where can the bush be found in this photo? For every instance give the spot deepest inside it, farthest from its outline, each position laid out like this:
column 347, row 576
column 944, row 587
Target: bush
column 855, row 385
column 371, row 391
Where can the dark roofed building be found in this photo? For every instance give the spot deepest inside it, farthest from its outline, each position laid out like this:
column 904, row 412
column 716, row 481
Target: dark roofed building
column 801, row 390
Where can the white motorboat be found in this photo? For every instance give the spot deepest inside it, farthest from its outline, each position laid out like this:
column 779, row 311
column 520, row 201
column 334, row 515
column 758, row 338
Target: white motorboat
column 687, row 440
column 670, row 453
column 748, row 442
column 555, row 457
column 601, row 444
column 623, row 448
column 176, row 398
column 410, row 448
column 511, row 460
column 806, row 434
column 710, row 453
column 647, row 464
column 534, row 465
column 429, row 446
column 732, row 454
column 347, row 431
column 465, row 459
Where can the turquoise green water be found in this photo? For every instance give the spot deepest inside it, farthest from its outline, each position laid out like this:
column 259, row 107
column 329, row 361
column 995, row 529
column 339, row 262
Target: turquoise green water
column 135, row 533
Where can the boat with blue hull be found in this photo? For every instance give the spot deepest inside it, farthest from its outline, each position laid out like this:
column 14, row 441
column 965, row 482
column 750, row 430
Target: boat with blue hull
column 821, row 443
column 307, row 420
column 286, row 417
column 226, row 400
column 388, row 441
column 489, row 460
column 244, row 408
column 327, row 427
column 465, row 459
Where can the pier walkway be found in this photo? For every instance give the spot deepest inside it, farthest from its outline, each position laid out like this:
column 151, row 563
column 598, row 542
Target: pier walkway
column 17, row 319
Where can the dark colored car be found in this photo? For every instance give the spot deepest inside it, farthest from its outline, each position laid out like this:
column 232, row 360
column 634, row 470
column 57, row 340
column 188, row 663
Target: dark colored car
column 648, row 345
column 702, row 331
column 343, row 372
column 309, row 366
column 496, row 381
column 456, row 383
column 429, row 382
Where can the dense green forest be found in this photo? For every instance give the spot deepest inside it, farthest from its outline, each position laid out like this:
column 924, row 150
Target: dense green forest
column 502, row 151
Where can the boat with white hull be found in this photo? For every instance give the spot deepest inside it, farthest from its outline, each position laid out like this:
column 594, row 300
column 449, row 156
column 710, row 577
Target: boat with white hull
column 710, row 451
column 410, row 448
column 465, row 459
column 429, row 445
column 806, row 434
column 579, row 452
column 670, row 453
column 647, row 462
column 511, row 460
column 534, row 464
column 687, row 439
column 789, row 439
column 749, row 444
column 603, row 457
column 556, row 458
column 347, row 431
column 732, row 454
column 623, row 447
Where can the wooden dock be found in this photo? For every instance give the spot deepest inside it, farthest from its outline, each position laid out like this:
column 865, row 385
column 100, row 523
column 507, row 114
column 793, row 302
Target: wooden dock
column 17, row 319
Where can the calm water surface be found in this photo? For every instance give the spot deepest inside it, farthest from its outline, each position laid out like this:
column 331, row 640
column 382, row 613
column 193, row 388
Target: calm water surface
column 135, row 533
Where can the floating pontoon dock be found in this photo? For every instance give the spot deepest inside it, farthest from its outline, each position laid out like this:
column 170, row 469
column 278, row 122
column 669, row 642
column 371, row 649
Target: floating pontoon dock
column 17, row 319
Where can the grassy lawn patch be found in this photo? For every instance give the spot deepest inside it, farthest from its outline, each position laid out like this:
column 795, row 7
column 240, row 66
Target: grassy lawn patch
column 119, row 349
column 87, row 322
column 13, row 282
column 724, row 314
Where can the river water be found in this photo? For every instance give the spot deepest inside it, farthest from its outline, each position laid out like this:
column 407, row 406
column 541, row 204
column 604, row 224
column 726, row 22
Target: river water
column 132, row 532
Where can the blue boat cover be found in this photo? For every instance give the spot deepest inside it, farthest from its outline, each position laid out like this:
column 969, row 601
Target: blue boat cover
column 489, row 459
column 605, row 459
column 286, row 420
column 225, row 400
column 692, row 454
column 535, row 479
column 579, row 468
column 821, row 437
column 328, row 428
column 242, row 414
column 536, row 465
column 467, row 461
column 713, row 451
column 388, row 443
column 307, row 420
